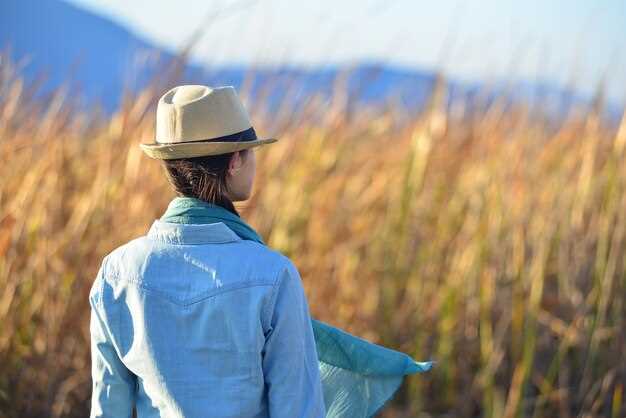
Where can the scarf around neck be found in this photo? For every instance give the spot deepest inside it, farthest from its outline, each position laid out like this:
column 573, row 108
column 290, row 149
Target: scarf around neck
column 358, row 377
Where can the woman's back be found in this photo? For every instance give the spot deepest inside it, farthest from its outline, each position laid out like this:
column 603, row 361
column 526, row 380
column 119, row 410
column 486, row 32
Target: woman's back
column 193, row 321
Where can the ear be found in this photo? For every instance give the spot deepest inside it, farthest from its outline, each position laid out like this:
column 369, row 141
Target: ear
column 235, row 163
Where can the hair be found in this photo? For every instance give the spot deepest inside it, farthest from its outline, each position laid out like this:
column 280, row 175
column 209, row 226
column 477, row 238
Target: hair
column 203, row 178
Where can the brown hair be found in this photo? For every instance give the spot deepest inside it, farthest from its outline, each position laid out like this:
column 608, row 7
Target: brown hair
column 203, row 178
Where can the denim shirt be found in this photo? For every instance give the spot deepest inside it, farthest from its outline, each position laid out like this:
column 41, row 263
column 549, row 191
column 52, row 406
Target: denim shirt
column 190, row 320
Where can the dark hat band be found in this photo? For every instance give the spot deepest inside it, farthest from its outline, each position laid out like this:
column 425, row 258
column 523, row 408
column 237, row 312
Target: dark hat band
column 243, row 136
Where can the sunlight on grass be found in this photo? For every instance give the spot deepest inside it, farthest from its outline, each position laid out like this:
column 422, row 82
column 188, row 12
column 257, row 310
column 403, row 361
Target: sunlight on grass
column 487, row 241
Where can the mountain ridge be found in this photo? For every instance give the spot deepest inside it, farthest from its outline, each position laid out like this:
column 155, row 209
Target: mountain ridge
column 104, row 58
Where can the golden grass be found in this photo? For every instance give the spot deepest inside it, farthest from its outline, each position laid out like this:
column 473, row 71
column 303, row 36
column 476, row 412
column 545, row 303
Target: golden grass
column 488, row 242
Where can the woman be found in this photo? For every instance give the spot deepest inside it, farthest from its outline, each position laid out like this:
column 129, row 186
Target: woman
column 199, row 318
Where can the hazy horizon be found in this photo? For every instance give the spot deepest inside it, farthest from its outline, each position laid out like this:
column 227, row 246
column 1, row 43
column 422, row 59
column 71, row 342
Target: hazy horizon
column 530, row 41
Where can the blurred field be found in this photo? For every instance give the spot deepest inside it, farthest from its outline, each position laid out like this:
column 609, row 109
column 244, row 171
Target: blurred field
column 489, row 241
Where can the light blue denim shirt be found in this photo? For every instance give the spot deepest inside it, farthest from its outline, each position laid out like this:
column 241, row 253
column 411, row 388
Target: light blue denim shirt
column 190, row 320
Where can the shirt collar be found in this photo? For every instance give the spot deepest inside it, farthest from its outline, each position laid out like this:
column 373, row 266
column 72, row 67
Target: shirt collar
column 184, row 233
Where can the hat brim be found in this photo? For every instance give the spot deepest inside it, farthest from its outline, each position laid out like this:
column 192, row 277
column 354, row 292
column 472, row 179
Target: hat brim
column 198, row 149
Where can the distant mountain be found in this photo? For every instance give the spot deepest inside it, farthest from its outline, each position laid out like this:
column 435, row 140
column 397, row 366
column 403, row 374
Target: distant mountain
column 67, row 43
column 99, row 57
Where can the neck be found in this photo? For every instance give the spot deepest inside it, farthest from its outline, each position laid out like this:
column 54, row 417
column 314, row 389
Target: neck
column 224, row 202
column 187, row 209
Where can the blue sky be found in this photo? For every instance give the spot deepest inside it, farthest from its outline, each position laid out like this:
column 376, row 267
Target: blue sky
column 575, row 41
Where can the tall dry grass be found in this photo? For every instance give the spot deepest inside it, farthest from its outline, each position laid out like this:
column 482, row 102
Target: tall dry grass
column 487, row 241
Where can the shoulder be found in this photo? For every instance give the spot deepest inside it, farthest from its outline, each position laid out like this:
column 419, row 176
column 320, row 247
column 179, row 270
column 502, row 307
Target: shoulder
column 278, row 265
column 134, row 250
column 107, row 268
column 270, row 261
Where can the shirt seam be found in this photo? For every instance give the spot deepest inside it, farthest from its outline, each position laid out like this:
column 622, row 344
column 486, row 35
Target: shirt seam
column 271, row 306
column 198, row 298
column 100, row 285
column 179, row 242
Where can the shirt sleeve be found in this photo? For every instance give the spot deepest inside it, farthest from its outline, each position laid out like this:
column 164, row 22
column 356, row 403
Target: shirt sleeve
column 113, row 385
column 290, row 361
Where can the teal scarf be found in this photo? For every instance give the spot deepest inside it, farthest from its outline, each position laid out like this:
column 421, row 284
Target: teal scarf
column 358, row 377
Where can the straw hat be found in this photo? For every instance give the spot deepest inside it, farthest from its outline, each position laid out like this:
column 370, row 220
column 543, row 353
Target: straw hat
column 196, row 120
